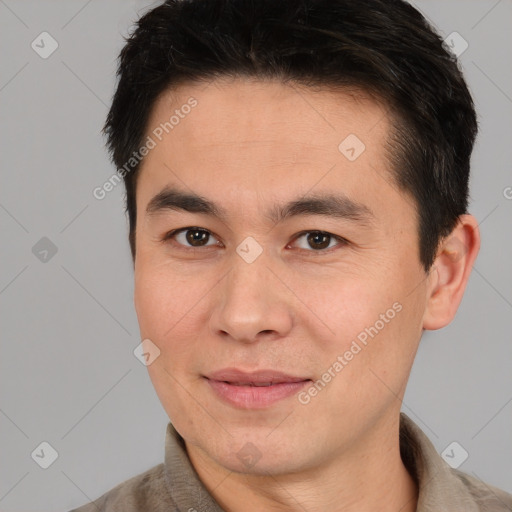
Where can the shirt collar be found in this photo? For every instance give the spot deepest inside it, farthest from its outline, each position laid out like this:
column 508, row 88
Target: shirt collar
column 439, row 487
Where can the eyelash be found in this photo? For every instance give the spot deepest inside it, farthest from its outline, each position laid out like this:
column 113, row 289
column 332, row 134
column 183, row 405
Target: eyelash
column 341, row 241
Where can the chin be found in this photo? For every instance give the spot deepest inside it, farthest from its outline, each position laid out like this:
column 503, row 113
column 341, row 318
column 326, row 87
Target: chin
column 258, row 453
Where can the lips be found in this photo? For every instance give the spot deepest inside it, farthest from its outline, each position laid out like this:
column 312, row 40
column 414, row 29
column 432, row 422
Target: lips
column 258, row 378
column 254, row 390
column 260, row 384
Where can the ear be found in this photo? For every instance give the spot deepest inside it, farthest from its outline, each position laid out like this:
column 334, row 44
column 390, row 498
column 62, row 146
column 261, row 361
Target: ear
column 450, row 273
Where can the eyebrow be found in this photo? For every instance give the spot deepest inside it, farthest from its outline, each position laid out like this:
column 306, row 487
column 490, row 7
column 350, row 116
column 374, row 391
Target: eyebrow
column 330, row 205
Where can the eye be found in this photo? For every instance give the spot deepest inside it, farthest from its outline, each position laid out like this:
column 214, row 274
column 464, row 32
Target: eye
column 190, row 237
column 319, row 241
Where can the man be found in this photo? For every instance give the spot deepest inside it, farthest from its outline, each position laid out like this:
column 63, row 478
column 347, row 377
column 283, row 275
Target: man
column 297, row 181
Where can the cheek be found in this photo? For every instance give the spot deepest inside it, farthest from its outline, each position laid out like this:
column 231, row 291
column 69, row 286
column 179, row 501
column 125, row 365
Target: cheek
column 165, row 305
column 162, row 298
column 170, row 311
column 347, row 306
column 151, row 297
column 371, row 325
column 378, row 354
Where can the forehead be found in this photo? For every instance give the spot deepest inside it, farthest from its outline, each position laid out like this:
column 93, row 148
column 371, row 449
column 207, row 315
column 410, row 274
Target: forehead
column 268, row 111
column 245, row 141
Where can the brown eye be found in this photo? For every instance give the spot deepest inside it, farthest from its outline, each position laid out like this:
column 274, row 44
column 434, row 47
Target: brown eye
column 190, row 237
column 319, row 241
column 197, row 237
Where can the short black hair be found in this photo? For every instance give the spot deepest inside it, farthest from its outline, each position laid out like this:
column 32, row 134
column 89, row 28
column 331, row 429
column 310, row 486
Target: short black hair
column 382, row 47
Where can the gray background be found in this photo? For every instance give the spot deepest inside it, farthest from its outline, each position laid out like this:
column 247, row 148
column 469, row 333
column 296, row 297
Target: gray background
column 68, row 373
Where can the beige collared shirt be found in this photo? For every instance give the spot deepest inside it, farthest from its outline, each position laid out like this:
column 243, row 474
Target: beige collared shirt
column 174, row 485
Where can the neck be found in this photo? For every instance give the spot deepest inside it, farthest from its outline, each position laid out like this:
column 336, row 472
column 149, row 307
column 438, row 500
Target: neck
column 370, row 477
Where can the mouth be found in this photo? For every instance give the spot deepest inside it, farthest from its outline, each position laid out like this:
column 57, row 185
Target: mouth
column 254, row 390
column 257, row 384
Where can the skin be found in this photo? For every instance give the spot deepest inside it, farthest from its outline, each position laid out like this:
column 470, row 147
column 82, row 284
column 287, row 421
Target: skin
column 248, row 145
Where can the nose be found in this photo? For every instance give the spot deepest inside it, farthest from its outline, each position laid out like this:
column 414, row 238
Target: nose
column 252, row 303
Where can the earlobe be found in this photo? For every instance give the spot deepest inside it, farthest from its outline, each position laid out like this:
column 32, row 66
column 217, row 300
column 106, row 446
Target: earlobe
column 450, row 273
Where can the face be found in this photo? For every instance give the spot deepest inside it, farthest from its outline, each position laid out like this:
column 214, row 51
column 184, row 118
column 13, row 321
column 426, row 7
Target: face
column 292, row 265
